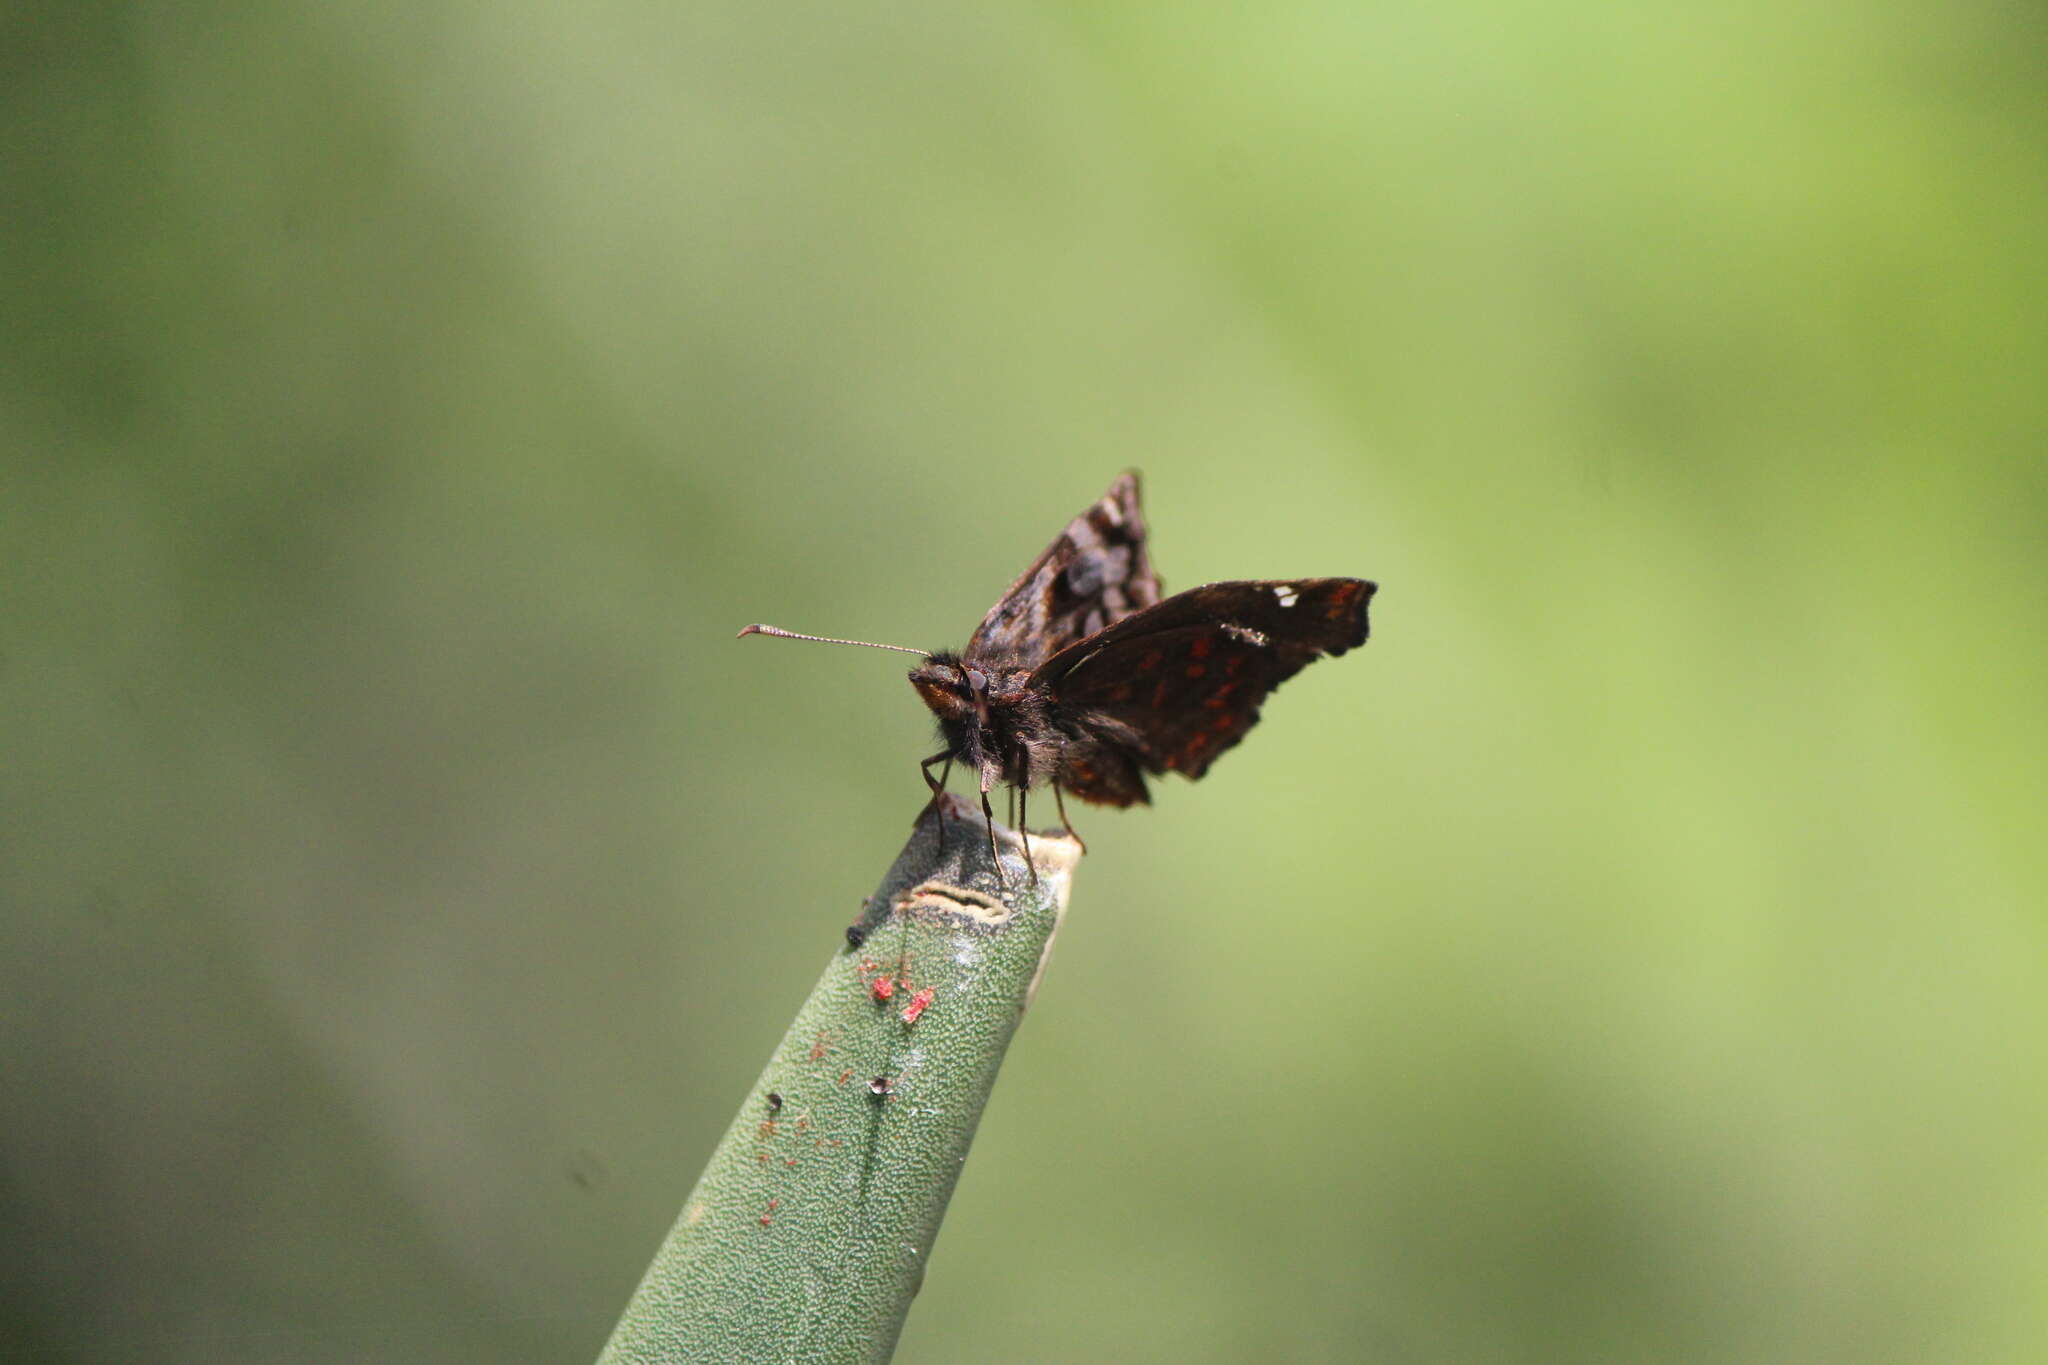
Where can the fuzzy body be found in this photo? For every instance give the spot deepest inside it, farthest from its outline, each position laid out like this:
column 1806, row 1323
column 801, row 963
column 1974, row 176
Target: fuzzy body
column 991, row 720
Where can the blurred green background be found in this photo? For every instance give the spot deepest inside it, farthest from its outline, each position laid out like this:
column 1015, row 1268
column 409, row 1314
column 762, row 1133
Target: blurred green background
column 1635, row 953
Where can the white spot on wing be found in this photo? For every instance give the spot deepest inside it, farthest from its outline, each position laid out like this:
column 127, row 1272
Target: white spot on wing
column 1246, row 634
column 1286, row 594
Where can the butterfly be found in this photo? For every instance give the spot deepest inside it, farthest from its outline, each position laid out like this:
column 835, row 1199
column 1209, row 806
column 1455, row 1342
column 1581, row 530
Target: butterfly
column 1083, row 678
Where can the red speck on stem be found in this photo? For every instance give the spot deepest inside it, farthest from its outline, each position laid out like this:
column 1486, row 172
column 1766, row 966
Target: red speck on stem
column 917, row 1004
column 883, row 988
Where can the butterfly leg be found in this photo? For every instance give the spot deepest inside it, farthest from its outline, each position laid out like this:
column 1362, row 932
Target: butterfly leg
column 990, row 815
column 1024, row 830
column 932, row 806
column 1059, row 798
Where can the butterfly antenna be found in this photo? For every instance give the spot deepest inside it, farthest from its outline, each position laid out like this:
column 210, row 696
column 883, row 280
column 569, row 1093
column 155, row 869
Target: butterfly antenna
column 758, row 629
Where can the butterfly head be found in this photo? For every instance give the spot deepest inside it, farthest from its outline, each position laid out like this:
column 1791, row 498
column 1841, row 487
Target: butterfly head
column 956, row 691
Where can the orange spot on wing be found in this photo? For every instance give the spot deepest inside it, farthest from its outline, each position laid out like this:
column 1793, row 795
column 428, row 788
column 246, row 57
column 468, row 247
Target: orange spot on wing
column 1197, row 670
column 1220, row 698
column 1199, row 646
column 1159, row 696
column 1153, row 658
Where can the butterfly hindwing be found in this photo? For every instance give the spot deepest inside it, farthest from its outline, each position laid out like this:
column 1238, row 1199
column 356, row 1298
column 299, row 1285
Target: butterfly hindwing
column 1095, row 574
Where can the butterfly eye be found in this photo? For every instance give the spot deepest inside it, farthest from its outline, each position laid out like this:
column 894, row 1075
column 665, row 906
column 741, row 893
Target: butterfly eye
column 977, row 680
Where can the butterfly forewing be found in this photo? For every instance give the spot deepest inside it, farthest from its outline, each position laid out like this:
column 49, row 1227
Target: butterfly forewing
column 1173, row 686
column 1095, row 574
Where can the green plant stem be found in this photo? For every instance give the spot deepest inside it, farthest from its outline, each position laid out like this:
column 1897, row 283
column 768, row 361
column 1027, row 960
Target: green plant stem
column 807, row 1235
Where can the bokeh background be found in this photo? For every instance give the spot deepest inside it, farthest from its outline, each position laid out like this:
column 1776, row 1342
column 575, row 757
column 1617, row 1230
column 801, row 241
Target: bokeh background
column 1635, row 953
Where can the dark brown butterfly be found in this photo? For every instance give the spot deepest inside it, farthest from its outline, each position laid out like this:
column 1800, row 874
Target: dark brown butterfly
column 1080, row 678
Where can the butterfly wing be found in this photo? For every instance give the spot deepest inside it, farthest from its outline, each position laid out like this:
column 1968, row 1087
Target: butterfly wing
column 1095, row 574
column 1170, row 688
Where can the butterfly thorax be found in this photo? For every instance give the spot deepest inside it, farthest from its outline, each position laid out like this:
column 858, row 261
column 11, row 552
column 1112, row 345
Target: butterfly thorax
column 989, row 717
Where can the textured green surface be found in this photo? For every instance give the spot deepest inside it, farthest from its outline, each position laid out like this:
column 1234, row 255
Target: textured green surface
column 807, row 1236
